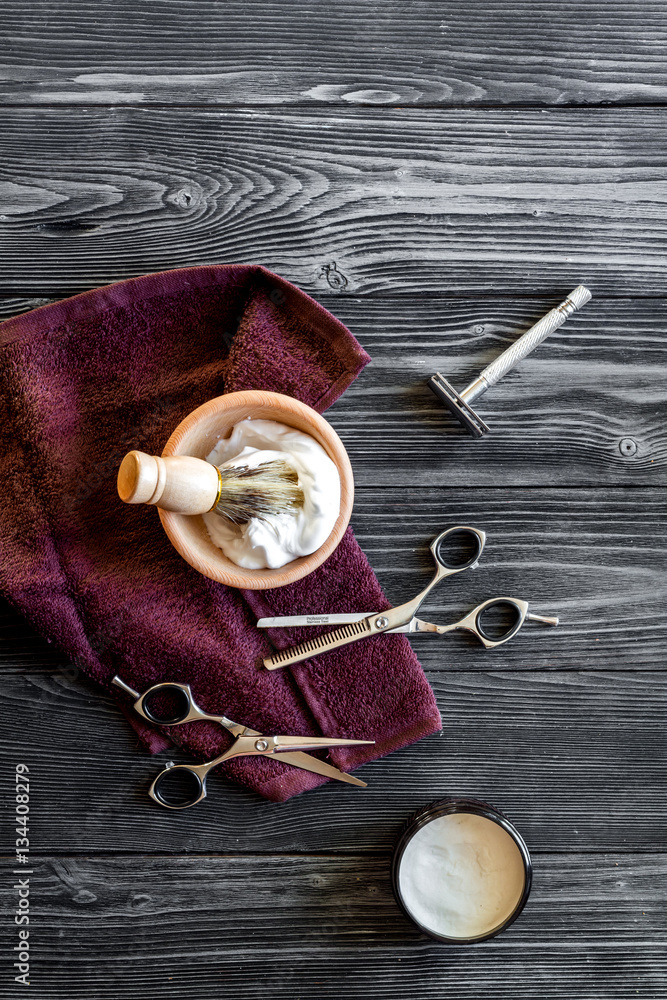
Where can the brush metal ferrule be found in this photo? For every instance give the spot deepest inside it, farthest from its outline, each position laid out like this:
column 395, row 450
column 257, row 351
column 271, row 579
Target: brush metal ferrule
column 219, row 493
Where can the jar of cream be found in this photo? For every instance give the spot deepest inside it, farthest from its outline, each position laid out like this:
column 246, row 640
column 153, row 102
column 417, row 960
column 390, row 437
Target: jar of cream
column 461, row 871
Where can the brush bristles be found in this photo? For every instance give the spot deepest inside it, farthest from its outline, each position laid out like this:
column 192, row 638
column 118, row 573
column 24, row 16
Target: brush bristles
column 269, row 489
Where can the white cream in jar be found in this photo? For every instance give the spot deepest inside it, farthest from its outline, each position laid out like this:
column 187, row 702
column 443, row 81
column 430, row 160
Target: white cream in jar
column 271, row 543
column 461, row 876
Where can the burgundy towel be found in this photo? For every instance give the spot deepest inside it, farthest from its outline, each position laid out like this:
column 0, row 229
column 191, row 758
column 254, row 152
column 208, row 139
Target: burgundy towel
column 84, row 381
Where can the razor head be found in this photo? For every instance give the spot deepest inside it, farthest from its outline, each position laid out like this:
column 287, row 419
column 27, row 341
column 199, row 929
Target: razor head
column 464, row 413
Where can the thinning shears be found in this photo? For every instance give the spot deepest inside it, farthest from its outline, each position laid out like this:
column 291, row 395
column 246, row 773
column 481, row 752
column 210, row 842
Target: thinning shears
column 404, row 618
column 173, row 793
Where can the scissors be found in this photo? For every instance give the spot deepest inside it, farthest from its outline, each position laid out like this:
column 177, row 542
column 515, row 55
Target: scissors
column 173, row 793
column 403, row 618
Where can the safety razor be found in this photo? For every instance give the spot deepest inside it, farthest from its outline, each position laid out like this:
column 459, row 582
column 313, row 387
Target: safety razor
column 459, row 402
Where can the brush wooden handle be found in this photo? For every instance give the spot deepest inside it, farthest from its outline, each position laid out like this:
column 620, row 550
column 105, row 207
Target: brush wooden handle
column 178, row 483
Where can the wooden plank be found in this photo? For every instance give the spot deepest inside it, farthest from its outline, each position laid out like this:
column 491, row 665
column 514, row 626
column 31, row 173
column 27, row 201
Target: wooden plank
column 329, row 927
column 398, row 200
column 14, row 305
column 594, row 558
column 353, row 53
column 589, row 407
column 560, row 753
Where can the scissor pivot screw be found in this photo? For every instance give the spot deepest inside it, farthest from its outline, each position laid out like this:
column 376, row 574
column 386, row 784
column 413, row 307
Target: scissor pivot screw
column 381, row 622
column 459, row 402
column 261, row 745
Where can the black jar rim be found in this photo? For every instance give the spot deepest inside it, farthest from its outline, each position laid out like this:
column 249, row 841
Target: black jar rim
column 445, row 807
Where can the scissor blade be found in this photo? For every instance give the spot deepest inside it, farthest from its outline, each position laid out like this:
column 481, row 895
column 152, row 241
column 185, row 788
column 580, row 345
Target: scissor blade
column 296, row 621
column 323, row 643
column 299, row 620
column 307, row 763
column 284, row 743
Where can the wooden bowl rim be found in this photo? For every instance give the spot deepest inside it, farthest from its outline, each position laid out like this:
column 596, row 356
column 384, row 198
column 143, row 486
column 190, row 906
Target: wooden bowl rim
column 264, row 579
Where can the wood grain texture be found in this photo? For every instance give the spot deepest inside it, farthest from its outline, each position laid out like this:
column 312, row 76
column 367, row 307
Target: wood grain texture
column 345, row 53
column 574, row 759
column 324, row 141
column 161, row 927
column 14, row 305
column 589, row 407
column 359, row 201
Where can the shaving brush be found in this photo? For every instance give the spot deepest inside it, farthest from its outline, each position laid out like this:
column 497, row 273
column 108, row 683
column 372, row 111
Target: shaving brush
column 192, row 486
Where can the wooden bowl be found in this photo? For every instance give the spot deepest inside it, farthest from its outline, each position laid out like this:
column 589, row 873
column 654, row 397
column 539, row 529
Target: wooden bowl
column 199, row 433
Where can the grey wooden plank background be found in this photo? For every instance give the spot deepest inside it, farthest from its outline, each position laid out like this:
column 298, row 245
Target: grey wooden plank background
column 401, row 200
column 438, row 175
column 324, row 932
column 349, row 53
